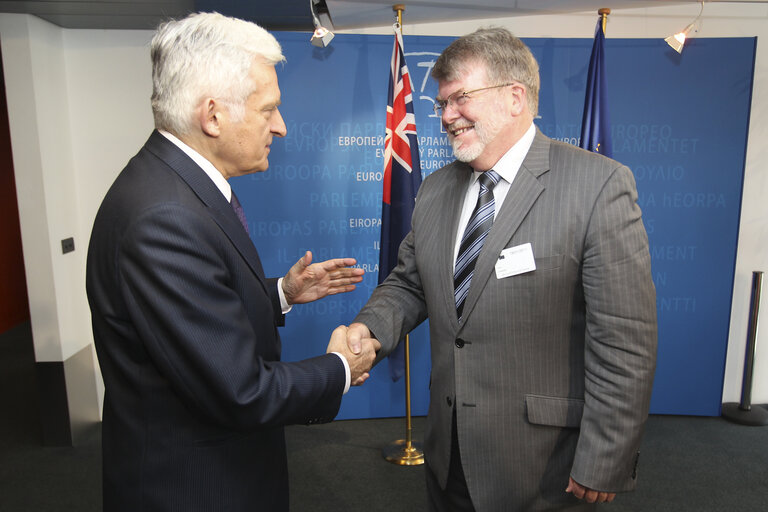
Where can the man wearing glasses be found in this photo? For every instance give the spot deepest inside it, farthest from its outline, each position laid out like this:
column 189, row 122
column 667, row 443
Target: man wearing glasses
column 530, row 259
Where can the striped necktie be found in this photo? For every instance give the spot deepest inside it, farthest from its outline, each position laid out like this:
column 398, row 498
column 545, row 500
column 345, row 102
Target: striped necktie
column 474, row 235
column 239, row 211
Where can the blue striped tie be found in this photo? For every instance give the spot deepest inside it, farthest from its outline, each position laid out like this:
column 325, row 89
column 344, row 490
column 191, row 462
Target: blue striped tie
column 474, row 235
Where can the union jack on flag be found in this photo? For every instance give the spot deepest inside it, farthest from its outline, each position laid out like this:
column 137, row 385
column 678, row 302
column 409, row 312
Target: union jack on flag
column 402, row 174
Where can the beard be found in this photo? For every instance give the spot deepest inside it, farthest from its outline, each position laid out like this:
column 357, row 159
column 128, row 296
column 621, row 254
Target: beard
column 486, row 131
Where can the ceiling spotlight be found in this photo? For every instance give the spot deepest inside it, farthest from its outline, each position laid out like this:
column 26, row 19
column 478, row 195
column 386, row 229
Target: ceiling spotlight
column 676, row 41
column 321, row 17
column 321, row 37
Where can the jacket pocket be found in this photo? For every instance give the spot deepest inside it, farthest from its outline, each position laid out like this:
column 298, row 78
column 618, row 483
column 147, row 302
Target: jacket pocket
column 549, row 262
column 554, row 411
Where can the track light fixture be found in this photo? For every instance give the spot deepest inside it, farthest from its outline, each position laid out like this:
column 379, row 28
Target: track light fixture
column 321, row 17
column 676, row 41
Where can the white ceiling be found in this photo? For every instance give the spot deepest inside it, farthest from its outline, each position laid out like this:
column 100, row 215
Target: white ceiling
column 295, row 14
column 349, row 14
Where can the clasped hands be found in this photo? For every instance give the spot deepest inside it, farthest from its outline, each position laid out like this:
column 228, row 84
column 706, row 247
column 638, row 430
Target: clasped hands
column 356, row 345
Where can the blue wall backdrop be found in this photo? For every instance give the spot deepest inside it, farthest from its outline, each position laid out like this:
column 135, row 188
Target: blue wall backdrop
column 679, row 121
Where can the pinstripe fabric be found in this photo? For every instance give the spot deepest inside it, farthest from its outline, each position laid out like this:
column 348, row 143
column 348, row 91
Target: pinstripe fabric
column 550, row 372
column 185, row 327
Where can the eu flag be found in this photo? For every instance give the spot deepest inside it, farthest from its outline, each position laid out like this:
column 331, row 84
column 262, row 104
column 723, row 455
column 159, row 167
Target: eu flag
column 595, row 126
column 402, row 174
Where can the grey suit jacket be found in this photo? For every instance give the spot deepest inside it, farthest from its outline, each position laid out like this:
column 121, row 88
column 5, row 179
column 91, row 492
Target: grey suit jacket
column 550, row 372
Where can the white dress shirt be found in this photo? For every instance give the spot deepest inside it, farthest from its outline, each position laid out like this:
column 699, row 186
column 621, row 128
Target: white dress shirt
column 507, row 168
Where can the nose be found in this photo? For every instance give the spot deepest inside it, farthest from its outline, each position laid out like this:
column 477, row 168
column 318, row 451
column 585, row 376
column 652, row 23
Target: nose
column 450, row 113
column 278, row 124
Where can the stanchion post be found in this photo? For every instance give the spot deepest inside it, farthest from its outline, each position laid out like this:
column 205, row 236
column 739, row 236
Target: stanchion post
column 405, row 452
column 743, row 412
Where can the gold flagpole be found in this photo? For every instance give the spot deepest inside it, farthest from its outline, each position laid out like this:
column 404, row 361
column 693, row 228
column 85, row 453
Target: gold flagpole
column 405, row 452
column 604, row 12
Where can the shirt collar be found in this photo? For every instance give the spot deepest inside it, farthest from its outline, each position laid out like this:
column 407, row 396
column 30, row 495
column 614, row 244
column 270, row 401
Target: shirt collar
column 510, row 162
column 217, row 178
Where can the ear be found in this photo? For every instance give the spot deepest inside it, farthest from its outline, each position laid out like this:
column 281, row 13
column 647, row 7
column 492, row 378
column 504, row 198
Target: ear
column 518, row 99
column 210, row 117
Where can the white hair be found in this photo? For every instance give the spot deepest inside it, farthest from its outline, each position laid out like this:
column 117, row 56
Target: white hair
column 205, row 55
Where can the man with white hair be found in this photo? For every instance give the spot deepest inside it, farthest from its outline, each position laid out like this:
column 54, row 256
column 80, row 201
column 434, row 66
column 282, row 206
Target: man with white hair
column 184, row 320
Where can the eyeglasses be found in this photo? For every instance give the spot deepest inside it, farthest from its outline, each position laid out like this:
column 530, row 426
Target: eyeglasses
column 460, row 98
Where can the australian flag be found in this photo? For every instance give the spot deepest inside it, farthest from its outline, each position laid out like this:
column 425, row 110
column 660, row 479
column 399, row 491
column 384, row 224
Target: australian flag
column 595, row 126
column 402, row 174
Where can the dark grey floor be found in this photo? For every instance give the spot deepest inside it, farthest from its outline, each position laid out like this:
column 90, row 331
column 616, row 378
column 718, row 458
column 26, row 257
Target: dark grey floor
column 687, row 463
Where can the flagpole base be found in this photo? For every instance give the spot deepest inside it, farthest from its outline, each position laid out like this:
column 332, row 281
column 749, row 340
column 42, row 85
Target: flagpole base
column 753, row 416
column 400, row 453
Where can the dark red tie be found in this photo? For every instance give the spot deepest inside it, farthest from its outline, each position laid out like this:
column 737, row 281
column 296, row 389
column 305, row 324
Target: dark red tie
column 239, row 212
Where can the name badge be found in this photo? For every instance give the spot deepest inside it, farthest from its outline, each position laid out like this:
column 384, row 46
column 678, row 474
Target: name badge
column 515, row 260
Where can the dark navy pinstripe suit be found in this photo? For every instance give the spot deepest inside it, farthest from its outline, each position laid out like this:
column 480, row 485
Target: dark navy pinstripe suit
column 185, row 326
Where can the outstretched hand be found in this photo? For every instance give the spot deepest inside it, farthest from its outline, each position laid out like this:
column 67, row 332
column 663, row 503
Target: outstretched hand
column 306, row 282
column 589, row 495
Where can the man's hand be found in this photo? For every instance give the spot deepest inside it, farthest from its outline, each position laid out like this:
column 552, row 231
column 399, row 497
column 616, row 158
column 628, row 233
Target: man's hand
column 589, row 495
column 355, row 335
column 359, row 364
column 306, row 282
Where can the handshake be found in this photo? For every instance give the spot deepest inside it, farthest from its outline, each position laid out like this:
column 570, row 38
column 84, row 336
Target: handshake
column 358, row 347
column 307, row 282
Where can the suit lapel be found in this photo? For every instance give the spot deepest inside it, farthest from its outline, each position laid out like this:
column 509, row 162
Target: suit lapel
column 219, row 209
column 521, row 197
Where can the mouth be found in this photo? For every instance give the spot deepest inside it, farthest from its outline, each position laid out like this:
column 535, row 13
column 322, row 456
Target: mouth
column 456, row 131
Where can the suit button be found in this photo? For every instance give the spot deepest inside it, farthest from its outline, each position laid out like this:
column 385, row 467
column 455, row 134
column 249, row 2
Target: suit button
column 459, row 343
column 448, row 401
